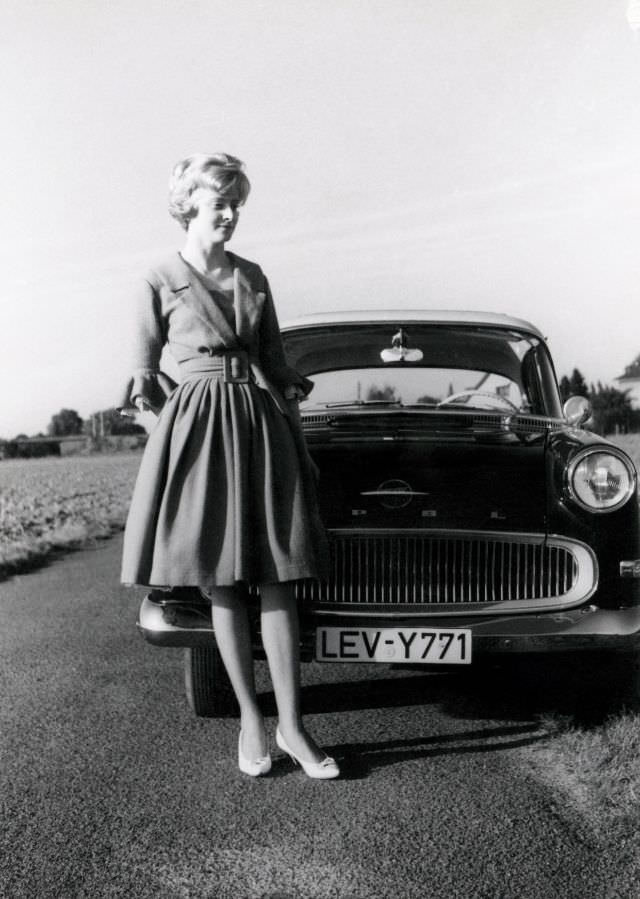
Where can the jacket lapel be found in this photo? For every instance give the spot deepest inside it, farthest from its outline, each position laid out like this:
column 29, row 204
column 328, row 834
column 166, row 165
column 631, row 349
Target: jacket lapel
column 248, row 304
column 248, row 301
column 186, row 285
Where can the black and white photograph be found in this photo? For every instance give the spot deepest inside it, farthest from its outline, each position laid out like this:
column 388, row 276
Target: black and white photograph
column 319, row 449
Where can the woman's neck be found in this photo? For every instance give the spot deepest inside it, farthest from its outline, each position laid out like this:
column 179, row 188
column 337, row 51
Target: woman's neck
column 205, row 258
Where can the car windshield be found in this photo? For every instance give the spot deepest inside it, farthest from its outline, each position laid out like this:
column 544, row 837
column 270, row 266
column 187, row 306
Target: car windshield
column 411, row 386
column 432, row 365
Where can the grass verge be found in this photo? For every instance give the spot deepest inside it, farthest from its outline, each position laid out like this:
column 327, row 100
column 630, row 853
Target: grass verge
column 54, row 505
column 597, row 770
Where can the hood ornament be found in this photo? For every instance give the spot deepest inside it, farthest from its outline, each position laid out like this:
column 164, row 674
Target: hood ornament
column 399, row 350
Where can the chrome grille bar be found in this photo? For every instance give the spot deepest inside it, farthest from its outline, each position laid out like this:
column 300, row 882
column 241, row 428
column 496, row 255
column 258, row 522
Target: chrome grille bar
column 461, row 572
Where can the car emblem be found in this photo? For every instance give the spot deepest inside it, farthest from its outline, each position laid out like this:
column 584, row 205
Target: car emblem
column 394, row 494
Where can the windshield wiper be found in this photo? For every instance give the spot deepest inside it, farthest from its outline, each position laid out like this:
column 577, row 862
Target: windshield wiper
column 363, row 403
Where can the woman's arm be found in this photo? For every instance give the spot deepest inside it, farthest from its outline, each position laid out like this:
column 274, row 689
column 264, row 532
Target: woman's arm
column 292, row 385
column 149, row 387
column 272, row 358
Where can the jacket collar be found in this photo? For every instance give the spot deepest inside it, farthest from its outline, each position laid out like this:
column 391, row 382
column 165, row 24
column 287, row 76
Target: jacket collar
column 184, row 282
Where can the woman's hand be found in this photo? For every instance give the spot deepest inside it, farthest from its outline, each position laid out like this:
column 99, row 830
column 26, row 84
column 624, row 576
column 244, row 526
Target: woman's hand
column 143, row 405
column 294, row 416
column 315, row 471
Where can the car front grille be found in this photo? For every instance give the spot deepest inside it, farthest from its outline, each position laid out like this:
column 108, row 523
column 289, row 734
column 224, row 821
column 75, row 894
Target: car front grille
column 438, row 572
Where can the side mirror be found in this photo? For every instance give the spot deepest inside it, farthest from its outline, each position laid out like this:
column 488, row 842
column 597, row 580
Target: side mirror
column 577, row 411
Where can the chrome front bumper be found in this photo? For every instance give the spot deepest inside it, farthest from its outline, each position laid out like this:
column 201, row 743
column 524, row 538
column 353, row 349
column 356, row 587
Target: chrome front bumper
column 576, row 630
column 175, row 623
column 587, row 628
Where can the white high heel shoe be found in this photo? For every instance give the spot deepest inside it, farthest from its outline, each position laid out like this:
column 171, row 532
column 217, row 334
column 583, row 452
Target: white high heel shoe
column 248, row 766
column 323, row 770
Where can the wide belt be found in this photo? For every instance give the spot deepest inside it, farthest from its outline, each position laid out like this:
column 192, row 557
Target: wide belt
column 232, row 367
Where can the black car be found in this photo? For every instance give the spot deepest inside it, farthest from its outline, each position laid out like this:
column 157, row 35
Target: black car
column 469, row 513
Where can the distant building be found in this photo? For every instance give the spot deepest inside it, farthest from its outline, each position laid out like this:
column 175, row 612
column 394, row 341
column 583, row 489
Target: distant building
column 66, row 445
column 69, row 445
column 630, row 381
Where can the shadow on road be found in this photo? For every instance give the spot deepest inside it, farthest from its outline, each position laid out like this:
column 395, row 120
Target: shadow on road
column 489, row 696
column 358, row 760
column 586, row 689
column 511, row 699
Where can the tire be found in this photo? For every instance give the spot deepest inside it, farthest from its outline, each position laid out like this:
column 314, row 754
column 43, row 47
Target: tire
column 207, row 684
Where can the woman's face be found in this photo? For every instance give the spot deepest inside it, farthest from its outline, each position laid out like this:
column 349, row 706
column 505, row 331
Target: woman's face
column 216, row 216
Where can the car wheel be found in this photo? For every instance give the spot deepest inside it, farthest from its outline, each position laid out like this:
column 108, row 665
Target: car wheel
column 207, row 684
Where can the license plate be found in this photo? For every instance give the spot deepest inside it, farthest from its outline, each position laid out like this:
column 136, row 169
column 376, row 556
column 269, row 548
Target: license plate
column 431, row 646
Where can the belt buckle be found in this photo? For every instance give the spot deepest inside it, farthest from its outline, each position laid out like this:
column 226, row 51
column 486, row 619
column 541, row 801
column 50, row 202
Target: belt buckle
column 236, row 368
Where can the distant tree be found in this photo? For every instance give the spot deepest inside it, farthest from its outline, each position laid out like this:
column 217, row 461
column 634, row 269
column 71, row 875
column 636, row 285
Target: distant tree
column 612, row 410
column 565, row 388
column 577, row 384
column 65, row 422
column 387, row 393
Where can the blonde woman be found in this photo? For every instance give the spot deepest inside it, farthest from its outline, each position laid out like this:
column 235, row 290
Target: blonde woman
column 225, row 496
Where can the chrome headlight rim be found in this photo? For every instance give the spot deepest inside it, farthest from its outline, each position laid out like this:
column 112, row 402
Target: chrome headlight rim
column 601, row 449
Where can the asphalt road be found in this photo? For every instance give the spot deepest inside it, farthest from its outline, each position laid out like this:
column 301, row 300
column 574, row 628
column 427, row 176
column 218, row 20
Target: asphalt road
column 111, row 788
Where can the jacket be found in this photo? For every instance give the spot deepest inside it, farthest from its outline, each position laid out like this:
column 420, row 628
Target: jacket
column 174, row 307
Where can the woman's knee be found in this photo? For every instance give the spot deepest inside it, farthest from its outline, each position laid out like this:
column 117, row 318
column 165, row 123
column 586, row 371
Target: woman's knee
column 278, row 597
column 226, row 597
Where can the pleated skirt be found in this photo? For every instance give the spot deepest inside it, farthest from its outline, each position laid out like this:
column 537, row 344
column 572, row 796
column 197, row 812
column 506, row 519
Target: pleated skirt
column 224, row 494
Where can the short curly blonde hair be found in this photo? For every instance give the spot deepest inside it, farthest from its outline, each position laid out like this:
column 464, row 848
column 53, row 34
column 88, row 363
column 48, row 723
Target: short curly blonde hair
column 220, row 172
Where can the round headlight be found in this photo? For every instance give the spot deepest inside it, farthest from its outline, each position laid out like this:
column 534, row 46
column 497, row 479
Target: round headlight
column 601, row 480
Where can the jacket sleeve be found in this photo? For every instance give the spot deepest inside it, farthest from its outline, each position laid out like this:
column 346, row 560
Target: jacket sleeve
column 272, row 358
column 148, row 381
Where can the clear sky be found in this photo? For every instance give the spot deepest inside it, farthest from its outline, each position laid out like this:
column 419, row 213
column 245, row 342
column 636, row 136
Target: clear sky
column 403, row 153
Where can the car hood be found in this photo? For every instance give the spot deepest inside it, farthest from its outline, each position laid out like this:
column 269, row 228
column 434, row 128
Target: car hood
column 402, row 468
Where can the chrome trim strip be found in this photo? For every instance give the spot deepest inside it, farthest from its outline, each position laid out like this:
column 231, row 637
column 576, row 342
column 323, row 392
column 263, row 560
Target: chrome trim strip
column 430, row 418
column 419, row 316
column 393, row 493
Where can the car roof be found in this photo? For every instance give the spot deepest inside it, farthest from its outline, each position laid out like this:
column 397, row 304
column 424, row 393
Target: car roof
column 423, row 316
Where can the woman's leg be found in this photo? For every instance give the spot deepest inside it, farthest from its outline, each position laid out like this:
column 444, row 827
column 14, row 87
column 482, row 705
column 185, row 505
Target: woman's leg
column 230, row 618
column 281, row 641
